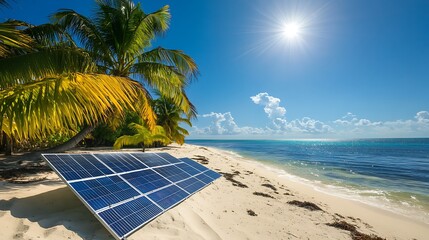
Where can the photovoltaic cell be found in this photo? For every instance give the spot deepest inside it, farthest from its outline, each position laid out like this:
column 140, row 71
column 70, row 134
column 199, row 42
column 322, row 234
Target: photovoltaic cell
column 191, row 185
column 186, row 168
column 77, row 167
column 62, row 168
column 169, row 158
column 204, row 178
column 150, row 159
column 102, row 192
column 194, row 164
column 130, row 215
column 146, row 180
column 120, row 162
column 169, row 196
column 90, row 163
column 172, row 173
column 212, row 174
column 127, row 190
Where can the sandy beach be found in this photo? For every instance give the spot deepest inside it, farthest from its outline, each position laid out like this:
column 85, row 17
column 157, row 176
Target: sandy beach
column 248, row 202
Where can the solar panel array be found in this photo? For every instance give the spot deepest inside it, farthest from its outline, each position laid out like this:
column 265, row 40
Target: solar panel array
column 127, row 190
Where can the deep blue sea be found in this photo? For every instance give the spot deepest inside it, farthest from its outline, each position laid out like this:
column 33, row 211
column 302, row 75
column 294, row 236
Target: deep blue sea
column 390, row 173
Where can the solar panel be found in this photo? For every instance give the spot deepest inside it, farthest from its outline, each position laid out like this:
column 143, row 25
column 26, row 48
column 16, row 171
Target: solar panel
column 125, row 191
column 191, row 185
column 172, row 173
column 194, row 164
column 146, row 180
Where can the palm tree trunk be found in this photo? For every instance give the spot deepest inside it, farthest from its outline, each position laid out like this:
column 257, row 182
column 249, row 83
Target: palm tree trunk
column 74, row 140
column 36, row 156
column 8, row 144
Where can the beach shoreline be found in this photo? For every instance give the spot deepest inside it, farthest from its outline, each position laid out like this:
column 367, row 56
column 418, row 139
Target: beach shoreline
column 249, row 202
column 412, row 212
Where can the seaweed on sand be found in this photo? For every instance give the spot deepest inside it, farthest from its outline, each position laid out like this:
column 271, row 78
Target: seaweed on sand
column 230, row 177
column 202, row 159
column 263, row 195
column 269, row 186
column 354, row 233
column 251, row 213
column 307, row 205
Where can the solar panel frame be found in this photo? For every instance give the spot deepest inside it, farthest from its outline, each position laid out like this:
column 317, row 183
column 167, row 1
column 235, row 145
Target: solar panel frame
column 107, row 174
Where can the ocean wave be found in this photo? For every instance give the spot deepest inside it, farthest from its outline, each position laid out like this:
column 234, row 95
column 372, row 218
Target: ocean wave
column 390, row 174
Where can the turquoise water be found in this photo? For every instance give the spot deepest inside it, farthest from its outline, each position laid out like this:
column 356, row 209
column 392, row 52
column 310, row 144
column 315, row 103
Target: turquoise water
column 393, row 173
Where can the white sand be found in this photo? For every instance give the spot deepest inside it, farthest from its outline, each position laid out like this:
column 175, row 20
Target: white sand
column 49, row 210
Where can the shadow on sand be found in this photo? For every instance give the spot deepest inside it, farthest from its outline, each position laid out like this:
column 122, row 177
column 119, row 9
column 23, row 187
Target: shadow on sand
column 55, row 208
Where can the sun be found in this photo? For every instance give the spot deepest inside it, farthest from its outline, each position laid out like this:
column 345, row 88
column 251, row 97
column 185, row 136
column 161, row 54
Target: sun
column 289, row 27
column 291, row 31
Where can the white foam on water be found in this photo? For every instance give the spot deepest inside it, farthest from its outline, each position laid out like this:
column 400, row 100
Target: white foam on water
column 232, row 153
column 372, row 197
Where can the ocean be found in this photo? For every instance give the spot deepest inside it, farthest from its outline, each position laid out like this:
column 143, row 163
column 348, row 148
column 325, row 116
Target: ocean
column 389, row 173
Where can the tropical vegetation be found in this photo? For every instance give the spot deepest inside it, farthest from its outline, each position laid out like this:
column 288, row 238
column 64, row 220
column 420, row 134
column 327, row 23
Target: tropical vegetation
column 144, row 137
column 170, row 117
column 76, row 72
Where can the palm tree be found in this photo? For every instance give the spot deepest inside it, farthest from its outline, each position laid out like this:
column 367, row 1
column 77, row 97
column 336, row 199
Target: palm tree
column 170, row 116
column 57, row 85
column 144, row 136
column 118, row 39
column 47, row 88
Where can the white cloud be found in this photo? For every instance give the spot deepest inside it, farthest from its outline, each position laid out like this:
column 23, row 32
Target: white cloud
column 351, row 119
column 422, row 117
column 271, row 105
column 346, row 119
column 417, row 127
column 309, row 125
column 349, row 126
column 224, row 124
column 304, row 125
column 278, row 121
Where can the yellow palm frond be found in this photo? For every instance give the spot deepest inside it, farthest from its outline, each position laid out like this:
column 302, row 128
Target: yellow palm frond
column 143, row 136
column 42, row 107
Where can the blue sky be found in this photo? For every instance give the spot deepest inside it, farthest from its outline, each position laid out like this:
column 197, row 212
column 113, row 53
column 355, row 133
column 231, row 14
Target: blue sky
column 358, row 68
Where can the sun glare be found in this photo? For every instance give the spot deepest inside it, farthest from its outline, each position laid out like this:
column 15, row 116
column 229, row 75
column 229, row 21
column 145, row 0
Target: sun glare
column 291, row 31
column 288, row 26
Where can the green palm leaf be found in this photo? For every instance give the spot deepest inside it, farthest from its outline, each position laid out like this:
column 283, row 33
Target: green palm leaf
column 48, row 62
column 184, row 64
column 71, row 100
column 143, row 136
column 47, row 83
column 10, row 37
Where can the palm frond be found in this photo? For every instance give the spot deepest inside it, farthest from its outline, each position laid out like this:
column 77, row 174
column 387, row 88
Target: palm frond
column 168, row 82
column 143, row 136
column 11, row 37
column 127, row 140
column 145, row 28
column 85, row 31
column 183, row 63
column 143, row 104
column 49, row 35
column 169, row 116
column 48, row 62
column 42, row 107
column 159, row 76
